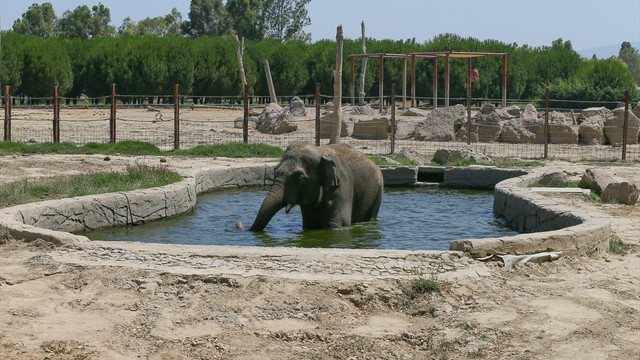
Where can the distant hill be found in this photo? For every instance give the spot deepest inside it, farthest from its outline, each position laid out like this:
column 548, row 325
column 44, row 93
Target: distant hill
column 605, row 52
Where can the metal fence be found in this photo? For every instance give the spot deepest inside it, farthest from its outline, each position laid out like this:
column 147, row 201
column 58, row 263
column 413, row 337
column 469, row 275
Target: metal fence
column 176, row 121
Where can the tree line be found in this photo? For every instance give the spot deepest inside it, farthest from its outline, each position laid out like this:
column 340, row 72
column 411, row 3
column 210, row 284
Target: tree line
column 207, row 66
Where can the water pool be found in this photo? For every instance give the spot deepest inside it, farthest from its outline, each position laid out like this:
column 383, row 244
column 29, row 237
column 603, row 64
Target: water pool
column 409, row 218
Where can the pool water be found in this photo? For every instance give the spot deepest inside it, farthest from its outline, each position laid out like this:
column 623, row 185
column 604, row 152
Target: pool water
column 409, row 218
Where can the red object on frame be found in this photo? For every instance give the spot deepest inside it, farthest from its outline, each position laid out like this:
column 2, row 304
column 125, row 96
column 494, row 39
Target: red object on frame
column 474, row 75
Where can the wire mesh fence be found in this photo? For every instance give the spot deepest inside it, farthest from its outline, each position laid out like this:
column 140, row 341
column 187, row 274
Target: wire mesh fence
column 219, row 120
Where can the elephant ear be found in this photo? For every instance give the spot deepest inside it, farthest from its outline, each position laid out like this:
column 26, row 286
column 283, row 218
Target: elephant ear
column 330, row 175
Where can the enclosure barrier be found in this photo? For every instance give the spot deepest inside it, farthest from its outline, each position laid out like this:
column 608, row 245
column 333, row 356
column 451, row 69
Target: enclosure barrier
column 119, row 117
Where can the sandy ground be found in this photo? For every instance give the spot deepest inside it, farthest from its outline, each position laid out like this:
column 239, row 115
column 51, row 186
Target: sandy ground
column 146, row 302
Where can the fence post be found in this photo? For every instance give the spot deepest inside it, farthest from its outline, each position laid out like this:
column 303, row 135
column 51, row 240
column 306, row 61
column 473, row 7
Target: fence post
column 7, row 113
column 176, row 117
column 112, row 120
column 56, row 114
column 393, row 118
column 469, row 103
column 318, row 114
column 625, row 126
column 245, row 122
column 546, row 123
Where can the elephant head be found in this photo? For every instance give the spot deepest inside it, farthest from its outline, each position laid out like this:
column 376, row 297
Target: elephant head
column 305, row 176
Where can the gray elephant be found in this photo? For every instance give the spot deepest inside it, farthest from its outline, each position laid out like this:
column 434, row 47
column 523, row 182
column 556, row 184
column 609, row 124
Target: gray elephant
column 334, row 185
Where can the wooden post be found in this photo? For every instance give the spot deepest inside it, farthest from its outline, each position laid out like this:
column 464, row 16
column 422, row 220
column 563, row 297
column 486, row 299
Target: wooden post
column 413, row 81
column 56, row 114
column 352, row 79
column 318, row 114
column 546, row 123
column 337, row 90
column 112, row 119
column 272, row 90
column 240, row 54
column 435, row 82
column 176, row 117
column 504, row 81
column 7, row 113
column 404, row 84
column 364, row 67
column 625, row 126
column 393, row 118
column 469, row 103
column 447, row 68
column 381, row 83
column 245, row 122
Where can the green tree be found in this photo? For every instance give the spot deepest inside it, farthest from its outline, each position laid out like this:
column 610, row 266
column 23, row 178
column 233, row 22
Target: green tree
column 46, row 64
column 83, row 23
column 100, row 19
column 11, row 63
column 246, row 19
column 285, row 20
column 38, row 20
column 630, row 56
column 168, row 25
column 206, row 18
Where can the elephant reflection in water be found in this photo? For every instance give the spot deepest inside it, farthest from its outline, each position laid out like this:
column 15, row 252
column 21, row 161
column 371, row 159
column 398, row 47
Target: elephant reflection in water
column 334, row 185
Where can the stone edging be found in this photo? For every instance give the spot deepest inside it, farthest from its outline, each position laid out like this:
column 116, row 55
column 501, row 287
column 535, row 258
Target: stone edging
column 560, row 228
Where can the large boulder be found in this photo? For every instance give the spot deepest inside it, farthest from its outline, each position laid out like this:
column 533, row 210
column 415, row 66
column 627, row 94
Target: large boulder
column 556, row 178
column 412, row 112
column 362, row 110
column 439, row 124
column 413, row 156
column 252, row 122
column 328, row 120
column 530, row 112
column 508, row 113
column 405, row 129
column 489, row 125
column 595, row 180
column 591, row 133
column 614, row 126
column 622, row 192
column 562, row 134
column 276, row 120
column 445, row 156
column 593, row 115
column 296, row 107
column 515, row 132
column 376, row 129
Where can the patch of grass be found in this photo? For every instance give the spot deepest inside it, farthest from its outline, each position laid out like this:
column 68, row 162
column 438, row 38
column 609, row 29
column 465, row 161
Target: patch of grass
column 458, row 162
column 128, row 147
column 570, row 184
column 4, row 235
column 136, row 177
column 422, row 285
column 401, row 161
column 468, row 326
column 619, row 247
column 233, row 150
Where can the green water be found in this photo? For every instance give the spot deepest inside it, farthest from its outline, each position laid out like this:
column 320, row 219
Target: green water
column 411, row 219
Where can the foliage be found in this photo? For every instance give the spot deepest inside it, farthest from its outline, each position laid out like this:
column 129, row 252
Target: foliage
column 206, row 18
column 38, row 20
column 619, row 247
column 136, row 177
column 85, row 23
column 630, row 57
column 285, row 19
column 233, row 150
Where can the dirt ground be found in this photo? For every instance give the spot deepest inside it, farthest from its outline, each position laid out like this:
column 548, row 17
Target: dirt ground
column 64, row 303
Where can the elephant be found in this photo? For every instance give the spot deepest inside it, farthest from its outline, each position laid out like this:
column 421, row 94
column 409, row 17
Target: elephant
column 334, row 185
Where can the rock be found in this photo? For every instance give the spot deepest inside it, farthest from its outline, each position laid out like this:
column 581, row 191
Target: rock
column 556, row 178
column 623, row 192
column 593, row 115
column 595, row 180
column 376, row 129
column 106, row 158
column 405, row 129
column 487, row 109
column 253, row 122
column 296, row 107
column 387, row 160
column 276, row 120
column 530, row 112
column 489, row 126
column 515, row 132
column 614, row 124
column 413, row 156
column 536, row 127
column 327, row 120
column 362, row 110
column 445, row 156
column 439, row 124
column 591, row 133
column 509, row 113
column 412, row 112
column 562, row 134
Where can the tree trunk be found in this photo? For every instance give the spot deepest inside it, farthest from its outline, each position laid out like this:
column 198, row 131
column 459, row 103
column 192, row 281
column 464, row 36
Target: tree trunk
column 337, row 91
column 240, row 53
column 272, row 90
column 364, row 68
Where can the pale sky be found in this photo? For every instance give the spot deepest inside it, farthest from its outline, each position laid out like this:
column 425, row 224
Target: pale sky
column 587, row 23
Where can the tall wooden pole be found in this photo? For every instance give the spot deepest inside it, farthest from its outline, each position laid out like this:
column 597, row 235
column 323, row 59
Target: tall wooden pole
column 317, row 114
column 7, row 113
column 435, row 82
column 352, row 80
column 504, row 81
column 393, row 118
column 272, row 90
column 364, row 68
column 240, row 54
column 447, row 69
column 381, row 83
column 337, row 90
column 112, row 119
column 469, row 103
column 413, row 81
column 176, row 117
column 56, row 114
column 625, row 126
column 546, row 123
column 404, row 84
column 245, row 122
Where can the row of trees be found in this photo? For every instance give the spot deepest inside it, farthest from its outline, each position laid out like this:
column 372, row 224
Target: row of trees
column 208, row 66
column 282, row 20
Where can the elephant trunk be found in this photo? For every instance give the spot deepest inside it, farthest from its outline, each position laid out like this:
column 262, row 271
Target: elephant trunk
column 272, row 203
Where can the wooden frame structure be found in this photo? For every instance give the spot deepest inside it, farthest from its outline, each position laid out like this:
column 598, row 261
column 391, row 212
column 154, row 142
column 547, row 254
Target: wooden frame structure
column 428, row 55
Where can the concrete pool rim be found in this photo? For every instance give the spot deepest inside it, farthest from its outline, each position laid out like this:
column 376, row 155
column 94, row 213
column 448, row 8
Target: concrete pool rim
column 548, row 226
